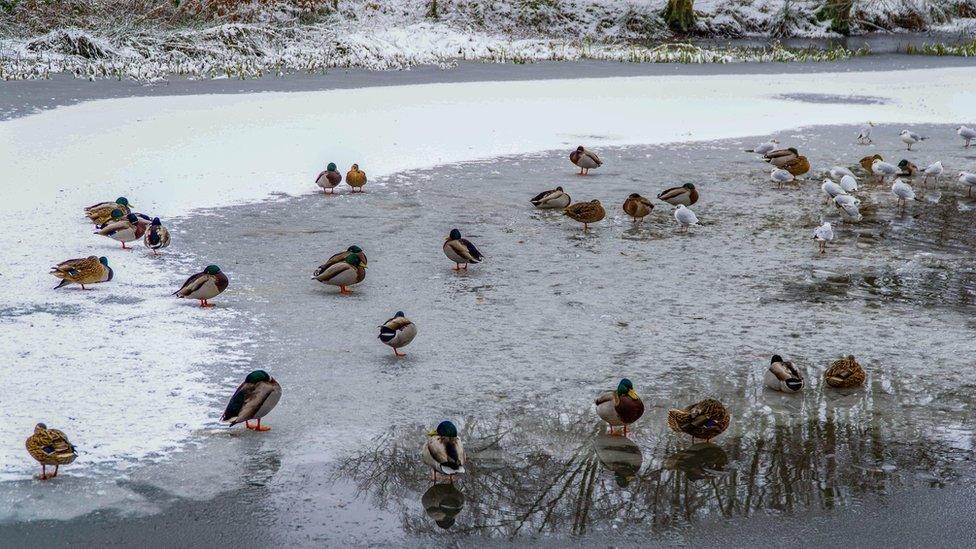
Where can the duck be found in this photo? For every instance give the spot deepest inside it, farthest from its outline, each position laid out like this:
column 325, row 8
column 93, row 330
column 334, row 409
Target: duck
column 585, row 159
column 764, row 148
column 783, row 376
column 780, row 157
column 781, row 177
column 50, row 447
column 933, row 170
column 685, row 217
column 798, row 166
column 204, row 285
column 461, row 251
column 343, row 274
column 253, row 399
column 329, row 179
column 621, row 407
column 442, row 503
column 903, row 192
column 685, row 195
column 968, row 178
column 706, row 419
column 157, row 237
column 553, row 199
column 867, row 161
column 864, row 137
column 883, row 169
column 909, row 138
column 586, row 212
column 81, row 271
column 838, row 172
column 443, row 451
column 823, row 234
column 340, row 257
column 967, row 134
column 848, row 183
column 397, row 332
column 125, row 230
column 638, row 207
column 845, row 373
column 356, row 178
column 101, row 213
column 907, row 168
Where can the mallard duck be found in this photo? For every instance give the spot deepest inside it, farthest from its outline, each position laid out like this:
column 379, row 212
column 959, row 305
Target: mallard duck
column 706, row 419
column 356, row 178
column 621, row 407
column 823, row 234
column 101, row 213
column 798, row 166
column 685, row 217
column 907, row 168
column 157, row 237
column 966, row 134
column 844, row 373
column 81, row 271
column 253, row 400
column 125, row 230
column 780, row 157
column 638, row 207
column 551, row 199
column 783, row 376
column 343, row 274
column 620, row 455
column 867, row 161
column 461, row 251
column 864, row 137
column 398, row 332
column 50, row 447
column 329, row 179
column 442, row 502
column 204, row 286
column 909, row 138
column 115, row 216
column 684, row 195
column 586, row 212
column 586, row 160
column 340, row 257
column 443, row 451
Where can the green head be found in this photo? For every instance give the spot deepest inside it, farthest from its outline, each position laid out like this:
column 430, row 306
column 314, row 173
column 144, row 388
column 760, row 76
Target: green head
column 103, row 260
column 122, row 200
column 331, row 167
column 903, row 163
column 212, row 269
column 689, row 186
column 626, row 387
column 354, row 260
column 256, row 376
column 354, row 250
column 445, row 429
column 117, row 214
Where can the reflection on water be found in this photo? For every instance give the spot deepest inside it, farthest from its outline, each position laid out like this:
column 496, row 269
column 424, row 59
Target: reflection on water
column 561, row 474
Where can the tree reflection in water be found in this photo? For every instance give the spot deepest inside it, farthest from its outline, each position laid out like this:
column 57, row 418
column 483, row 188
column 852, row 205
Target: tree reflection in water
column 561, row 474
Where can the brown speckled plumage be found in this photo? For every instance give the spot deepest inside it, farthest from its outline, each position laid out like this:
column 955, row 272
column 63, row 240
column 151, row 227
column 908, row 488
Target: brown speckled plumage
column 706, row 419
column 844, row 373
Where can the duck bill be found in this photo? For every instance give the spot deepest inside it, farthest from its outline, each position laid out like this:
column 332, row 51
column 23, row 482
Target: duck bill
column 633, row 394
column 432, row 433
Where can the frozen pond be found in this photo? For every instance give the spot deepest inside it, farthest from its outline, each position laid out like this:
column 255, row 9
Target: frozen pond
column 515, row 349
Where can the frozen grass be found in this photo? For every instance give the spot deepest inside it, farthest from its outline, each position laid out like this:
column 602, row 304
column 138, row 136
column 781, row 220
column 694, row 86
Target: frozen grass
column 962, row 50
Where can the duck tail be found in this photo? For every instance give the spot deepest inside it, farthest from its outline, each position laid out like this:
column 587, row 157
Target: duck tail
column 64, row 282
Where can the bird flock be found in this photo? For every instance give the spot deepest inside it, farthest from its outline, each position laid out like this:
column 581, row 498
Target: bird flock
column 620, row 408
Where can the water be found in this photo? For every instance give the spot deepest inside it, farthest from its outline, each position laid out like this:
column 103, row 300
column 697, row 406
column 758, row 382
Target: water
column 515, row 349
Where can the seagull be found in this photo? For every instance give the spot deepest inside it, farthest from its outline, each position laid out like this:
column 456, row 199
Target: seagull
column 968, row 134
column 838, row 172
column 685, row 217
column 780, row 177
column 932, row 170
column 864, row 138
column 764, row 148
column 849, row 204
column 831, row 189
column 883, row 169
column 903, row 191
column 823, row 234
column 848, row 183
column 968, row 179
column 910, row 138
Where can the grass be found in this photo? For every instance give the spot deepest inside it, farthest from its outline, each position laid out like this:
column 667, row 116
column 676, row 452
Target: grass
column 941, row 50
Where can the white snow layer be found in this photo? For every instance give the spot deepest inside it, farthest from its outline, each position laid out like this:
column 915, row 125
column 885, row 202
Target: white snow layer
column 124, row 368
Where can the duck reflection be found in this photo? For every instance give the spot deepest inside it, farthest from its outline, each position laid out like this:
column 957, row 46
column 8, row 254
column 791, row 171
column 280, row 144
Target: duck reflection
column 443, row 502
column 698, row 461
column 620, row 455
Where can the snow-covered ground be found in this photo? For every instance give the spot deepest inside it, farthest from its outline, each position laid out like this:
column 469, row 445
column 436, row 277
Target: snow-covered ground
column 124, row 368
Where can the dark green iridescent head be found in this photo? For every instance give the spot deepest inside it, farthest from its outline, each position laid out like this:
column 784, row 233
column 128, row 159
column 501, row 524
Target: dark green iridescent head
column 122, row 200
column 256, row 376
column 103, row 260
column 156, row 221
column 212, row 269
column 624, row 386
column 455, row 234
column 117, row 214
column 446, row 429
column 689, row 186
column 354, row 250
column 354, row 260
column 331, row 167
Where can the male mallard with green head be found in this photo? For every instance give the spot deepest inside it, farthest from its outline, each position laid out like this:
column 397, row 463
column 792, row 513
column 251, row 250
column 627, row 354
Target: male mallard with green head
column 329, row 179
column 552, row 199
column 685, row 195
column 621, row 407
column 907, row 168
column 461, row 251
column 586, row 212
column 356, row 178
column 443, row 451
column 398, row 332
column 585, row 159
column 253, row 400
column 343, row 274
column 783, row 376
column 204, row 285
column 638, row 207
column 157, row 237
column 780, row 157
column 845, row 373
column 86, row 270
column 50, row 447
column 101, row 213
column 128, row 229
column 340, row 257
column 706, row 419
